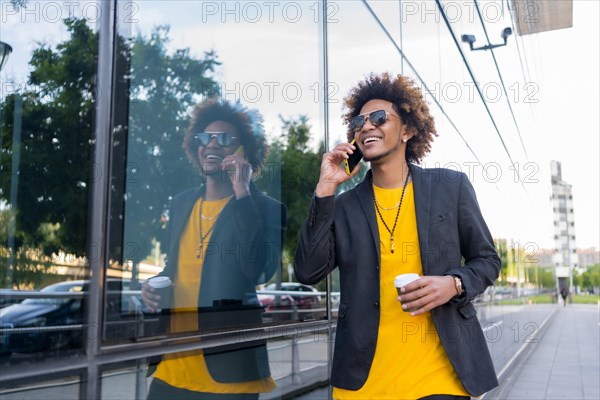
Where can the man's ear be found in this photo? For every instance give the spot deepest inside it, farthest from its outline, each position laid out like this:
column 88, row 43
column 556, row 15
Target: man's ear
column 408, row 133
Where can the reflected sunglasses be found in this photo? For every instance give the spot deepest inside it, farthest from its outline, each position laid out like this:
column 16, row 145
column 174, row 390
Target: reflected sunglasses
column 223, row 138
column 377, row 118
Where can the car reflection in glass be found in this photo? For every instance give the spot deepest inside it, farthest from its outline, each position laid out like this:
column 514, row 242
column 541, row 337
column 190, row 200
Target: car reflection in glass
column 304, row 304
column 42, row 324
column 32, row 316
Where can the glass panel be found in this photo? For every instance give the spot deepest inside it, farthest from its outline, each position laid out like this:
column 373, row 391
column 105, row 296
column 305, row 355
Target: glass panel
column 128, row 380
column 66, row 387
column 47, row 104
column 165, row 198
column 216, row 153
column 292, row 360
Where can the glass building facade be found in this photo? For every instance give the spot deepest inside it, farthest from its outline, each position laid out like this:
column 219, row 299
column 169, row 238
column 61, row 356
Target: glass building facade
column 97, row 97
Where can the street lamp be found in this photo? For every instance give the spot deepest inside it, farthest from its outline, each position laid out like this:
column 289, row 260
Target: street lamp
column 471, row 39
column 5, row 51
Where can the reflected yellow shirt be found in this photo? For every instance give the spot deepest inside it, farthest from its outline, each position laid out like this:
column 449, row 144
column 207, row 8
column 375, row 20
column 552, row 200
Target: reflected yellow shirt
column 410, row 361
column 188, row 370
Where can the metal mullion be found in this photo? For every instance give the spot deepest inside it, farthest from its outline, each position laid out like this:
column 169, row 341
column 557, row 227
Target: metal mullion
column 323, row 33
column 97, row 255
column 324, row 72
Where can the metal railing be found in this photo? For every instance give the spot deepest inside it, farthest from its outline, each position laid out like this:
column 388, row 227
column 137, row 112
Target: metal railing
column 140, row 317
column 32, row 294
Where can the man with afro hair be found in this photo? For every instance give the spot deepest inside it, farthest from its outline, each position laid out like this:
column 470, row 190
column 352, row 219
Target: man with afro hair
column 421, row 340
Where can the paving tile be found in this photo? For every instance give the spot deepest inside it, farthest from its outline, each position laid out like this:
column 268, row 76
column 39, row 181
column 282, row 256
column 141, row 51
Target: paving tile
column 565, row 363
column 526, row 394
column 564, row 395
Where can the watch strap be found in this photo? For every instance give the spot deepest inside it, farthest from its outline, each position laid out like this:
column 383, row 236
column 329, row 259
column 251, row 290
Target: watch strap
column 458, row 285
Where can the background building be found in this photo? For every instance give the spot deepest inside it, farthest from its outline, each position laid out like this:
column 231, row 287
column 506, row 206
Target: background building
column 588, row 257
column 565, row 246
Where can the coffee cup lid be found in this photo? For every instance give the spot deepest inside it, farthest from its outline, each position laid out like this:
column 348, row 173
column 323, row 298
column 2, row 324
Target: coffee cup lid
column 159, row 282
column 405, row 279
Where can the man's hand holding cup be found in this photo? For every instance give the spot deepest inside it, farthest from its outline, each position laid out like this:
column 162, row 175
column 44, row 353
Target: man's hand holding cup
column 156, row 292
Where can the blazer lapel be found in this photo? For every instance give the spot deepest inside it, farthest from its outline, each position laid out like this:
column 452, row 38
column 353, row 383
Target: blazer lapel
column 365, row 197
column 422, row 189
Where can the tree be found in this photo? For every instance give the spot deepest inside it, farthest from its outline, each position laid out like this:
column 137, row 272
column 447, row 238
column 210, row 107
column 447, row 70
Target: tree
column 590, row 279
column 543, row 277
column 576, row 279
column 163, row 88
column 291, row 173
column 31, row 261
column 546, row 276
column 501, row 248
column 54, row 147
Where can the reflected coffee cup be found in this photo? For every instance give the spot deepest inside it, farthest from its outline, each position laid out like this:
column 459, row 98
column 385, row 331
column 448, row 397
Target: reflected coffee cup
column 404, row 279
column 162, row 286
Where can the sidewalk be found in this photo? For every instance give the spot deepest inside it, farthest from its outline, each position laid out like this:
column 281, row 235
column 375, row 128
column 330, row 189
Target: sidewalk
column 564, row 363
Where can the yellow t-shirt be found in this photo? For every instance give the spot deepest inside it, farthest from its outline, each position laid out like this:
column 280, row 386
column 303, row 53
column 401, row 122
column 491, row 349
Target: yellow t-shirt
column 188, row 370
column 410, row 361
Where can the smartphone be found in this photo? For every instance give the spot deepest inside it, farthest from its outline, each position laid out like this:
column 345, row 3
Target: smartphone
column 231, row 168
column 351, row 162
column 240, row 151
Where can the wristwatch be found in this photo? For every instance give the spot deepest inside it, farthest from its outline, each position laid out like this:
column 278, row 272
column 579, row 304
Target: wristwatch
column 458, row 285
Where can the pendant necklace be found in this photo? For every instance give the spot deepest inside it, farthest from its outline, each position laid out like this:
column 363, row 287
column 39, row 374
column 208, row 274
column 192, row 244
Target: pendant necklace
column 204, row 236
column 399, row 205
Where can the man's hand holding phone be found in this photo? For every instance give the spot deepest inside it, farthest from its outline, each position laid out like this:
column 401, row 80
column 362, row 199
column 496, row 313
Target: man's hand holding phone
column 239, row 171
column 333, row 173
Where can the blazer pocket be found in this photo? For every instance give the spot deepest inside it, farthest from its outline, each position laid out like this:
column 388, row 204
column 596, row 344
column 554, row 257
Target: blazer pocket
column 468, row 311
column 342, row 310
column 441, row 218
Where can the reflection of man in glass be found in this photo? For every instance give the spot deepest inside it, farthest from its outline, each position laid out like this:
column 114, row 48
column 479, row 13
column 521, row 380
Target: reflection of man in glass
column 224, row 238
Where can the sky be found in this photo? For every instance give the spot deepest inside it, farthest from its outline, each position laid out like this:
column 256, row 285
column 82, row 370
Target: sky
column 270, row 54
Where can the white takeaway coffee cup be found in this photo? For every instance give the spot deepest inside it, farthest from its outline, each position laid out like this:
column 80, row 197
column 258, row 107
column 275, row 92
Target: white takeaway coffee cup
column 403, row 280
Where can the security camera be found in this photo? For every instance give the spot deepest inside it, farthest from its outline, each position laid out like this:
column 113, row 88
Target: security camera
column 471, row 39
column 468, row 39
column 506, row 33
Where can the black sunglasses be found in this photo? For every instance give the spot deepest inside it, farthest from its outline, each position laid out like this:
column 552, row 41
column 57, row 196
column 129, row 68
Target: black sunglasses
column 376, row 117
column 223, row 138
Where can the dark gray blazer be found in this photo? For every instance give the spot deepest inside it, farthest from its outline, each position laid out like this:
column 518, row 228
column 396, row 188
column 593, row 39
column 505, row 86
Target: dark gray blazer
column 342, row 231
column 244, row 250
